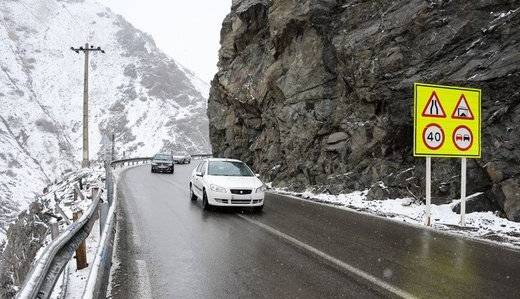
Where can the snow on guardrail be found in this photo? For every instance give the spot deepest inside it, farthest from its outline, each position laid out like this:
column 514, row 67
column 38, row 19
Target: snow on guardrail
column 53, row 259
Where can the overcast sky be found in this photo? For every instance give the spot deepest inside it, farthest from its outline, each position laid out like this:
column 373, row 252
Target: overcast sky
column 187, row 30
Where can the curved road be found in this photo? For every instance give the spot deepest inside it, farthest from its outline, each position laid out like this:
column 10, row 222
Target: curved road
column 168, row 247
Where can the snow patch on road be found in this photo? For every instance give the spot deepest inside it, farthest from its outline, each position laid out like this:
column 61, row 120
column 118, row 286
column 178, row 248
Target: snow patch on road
column 482, row 225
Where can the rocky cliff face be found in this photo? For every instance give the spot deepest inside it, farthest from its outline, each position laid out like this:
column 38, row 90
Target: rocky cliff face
column 137, row 92
column 320, row 92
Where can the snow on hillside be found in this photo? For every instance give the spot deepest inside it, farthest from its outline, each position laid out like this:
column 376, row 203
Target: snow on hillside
column 199, row 84
column 147, row 99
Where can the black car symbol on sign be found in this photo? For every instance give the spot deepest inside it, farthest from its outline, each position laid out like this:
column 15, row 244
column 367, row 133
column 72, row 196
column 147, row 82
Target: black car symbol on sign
column 464, row 137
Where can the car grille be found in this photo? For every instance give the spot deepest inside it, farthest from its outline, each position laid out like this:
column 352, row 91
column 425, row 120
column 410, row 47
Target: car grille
column 163, row 163
column 238, row 201
column 241, row 191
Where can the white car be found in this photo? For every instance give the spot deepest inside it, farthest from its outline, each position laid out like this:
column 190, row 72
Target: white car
column 226, row 183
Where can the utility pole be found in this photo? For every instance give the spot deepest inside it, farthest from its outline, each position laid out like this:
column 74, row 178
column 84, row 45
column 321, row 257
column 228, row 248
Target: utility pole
column 85, row 161
column 113, row 153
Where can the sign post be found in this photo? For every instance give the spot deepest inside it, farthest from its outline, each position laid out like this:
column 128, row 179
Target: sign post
column 462, row 191
column 446, row 125
column 428, row 217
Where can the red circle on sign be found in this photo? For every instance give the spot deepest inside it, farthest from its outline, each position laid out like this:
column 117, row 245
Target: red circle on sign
column 471, row 139
column 424, row 134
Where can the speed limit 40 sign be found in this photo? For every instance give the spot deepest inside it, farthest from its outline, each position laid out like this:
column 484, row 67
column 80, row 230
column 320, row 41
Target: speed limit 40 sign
column 446, row 121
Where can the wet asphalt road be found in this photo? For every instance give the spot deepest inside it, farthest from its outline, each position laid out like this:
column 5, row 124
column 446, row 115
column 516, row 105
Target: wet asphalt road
column 168, row 247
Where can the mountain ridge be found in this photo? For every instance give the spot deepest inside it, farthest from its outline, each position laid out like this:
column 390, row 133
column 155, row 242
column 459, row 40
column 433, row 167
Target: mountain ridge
column 146, row 98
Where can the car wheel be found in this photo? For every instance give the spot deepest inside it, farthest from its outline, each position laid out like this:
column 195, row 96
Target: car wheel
column 258, row 209
column 205, row 203
column 193, row 197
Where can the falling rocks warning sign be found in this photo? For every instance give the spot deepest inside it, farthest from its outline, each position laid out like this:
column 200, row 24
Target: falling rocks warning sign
column 446, row 121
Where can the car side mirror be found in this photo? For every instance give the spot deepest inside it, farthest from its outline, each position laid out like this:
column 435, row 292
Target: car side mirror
column 198, row 173
column 257, row 175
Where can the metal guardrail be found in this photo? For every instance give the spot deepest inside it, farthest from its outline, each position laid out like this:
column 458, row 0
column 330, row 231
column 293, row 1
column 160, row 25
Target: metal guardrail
column 44, row 274
column 202, row 155
column 130, row 161
column 97, row 281
column 136, row 161
column 46, row 271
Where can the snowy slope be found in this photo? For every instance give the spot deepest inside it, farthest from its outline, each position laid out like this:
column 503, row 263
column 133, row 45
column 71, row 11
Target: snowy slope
column 147, row 99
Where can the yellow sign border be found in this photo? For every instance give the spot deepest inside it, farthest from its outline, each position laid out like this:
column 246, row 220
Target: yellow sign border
column 415, row 85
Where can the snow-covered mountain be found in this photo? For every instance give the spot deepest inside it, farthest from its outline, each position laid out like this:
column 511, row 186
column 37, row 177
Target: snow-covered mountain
column 146, row 98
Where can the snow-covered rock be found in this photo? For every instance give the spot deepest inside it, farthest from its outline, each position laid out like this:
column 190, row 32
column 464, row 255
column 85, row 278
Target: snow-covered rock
column 146, row 98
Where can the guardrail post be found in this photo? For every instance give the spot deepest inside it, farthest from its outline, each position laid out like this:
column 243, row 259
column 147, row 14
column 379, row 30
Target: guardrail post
column 63, row 215
column 109, row 184
column 81, row 252
column 103, row 214
column 94, row 191
column 55, row 231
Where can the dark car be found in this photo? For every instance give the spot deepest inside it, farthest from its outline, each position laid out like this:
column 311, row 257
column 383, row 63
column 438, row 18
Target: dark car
column 182, row 159
column 163, row 163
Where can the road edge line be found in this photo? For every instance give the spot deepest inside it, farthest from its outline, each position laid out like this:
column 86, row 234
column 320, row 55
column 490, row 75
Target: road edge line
column 492, row 243
column 338, row 263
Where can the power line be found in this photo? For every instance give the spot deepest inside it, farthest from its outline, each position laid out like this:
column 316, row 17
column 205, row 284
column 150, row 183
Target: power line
column 35, row 16
column 64, row 7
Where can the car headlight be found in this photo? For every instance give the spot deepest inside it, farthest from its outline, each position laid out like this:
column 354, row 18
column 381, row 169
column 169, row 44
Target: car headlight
column 216, row 188
column 263, row 188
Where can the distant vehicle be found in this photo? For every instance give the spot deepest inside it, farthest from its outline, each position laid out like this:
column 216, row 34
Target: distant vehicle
column 182, row 159
column 226, row 183
column 162, row 163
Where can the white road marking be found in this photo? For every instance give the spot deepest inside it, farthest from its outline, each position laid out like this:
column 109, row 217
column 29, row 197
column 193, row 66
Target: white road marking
column 422, row 227
column 383, row 284
column 145, row 288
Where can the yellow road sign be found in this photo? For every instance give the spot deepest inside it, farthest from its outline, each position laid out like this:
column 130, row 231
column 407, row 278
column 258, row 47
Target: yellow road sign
column 446, row 121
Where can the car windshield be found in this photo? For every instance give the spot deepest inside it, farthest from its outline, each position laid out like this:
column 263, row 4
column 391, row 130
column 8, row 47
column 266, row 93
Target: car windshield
column 162, row 157
column 228, row 168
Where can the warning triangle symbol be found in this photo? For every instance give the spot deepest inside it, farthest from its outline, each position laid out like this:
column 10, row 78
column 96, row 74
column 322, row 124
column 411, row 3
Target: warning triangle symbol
column 433, row 107
column 462, row 109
